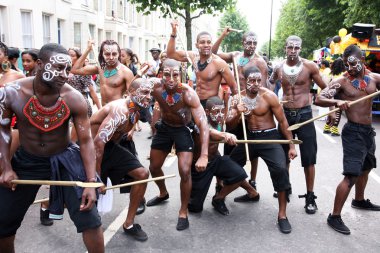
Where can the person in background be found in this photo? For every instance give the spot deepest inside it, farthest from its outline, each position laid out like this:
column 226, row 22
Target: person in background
column 29, row 61
column 130, row 59
column 13, row 55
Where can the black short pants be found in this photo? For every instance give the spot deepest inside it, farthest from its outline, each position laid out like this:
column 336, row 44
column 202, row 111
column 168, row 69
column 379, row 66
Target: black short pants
column 117, row 162
column 145, row 115
column 15, row 204
column 167, row 135
column 238, row 131
column 306, row 134
column 359, row 147
column 272, row 154
column 222, row 167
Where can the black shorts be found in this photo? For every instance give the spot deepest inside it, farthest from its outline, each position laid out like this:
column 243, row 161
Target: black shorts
column 15, row 204
column 167, row 135
column 238, row 131
column 306, row 134
column 222, row 167
column 359, row 147
column 272, row 154
column 117, row 162
column 145, row 115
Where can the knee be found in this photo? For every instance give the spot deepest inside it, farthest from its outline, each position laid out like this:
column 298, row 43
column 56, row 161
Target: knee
column 185, row 174
column 351, row 180
column 143, row 173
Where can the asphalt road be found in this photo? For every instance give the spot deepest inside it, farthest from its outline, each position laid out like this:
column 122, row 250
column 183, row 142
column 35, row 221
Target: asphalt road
column 248, row 228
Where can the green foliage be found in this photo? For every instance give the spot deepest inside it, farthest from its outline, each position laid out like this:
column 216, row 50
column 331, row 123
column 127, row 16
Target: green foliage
column 233, row 19
column 361, row 11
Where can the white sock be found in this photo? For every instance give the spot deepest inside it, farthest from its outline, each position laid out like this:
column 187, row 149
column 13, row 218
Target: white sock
column 131, row 226
column 43, row 209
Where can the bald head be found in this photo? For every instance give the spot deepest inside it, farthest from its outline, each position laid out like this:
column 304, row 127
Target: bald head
column 294, row 38
column 170, row 63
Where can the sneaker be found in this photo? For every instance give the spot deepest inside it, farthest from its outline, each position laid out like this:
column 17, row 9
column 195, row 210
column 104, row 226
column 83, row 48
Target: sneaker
column 136, row 232
column 182, row 224
column 284, row 225
column 220, row 206
column 364, row 204
column 141, row 207
column 252, row 183
column 336, row 222
column 310, row 205
column 157, row 200
column 247, row 198
column 335, row 131
column 44, row 218
column 326, row 129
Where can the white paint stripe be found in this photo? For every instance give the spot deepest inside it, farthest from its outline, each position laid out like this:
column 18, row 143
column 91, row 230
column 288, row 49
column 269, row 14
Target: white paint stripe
column 169, row 161
column 329, row 138
column 375, row 176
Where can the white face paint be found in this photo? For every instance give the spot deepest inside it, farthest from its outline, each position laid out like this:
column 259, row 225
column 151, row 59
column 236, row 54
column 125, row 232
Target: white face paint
column 111, row 54
column 293, row 49
column 143, row 93
column 59, row 64
column 253, row 79
column 250, row 43
column 354, row 63
column 171, row 74
column 217, row 113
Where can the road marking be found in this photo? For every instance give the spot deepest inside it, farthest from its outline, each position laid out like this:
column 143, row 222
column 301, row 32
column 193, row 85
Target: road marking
column 375, row 176
column 169, row 161
column 329, row 138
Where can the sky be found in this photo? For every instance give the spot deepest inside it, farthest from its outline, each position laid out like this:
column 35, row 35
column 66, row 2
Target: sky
column 258, row 13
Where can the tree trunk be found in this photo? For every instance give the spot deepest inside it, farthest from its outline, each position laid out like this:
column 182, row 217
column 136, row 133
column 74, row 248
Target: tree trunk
column 188, row 28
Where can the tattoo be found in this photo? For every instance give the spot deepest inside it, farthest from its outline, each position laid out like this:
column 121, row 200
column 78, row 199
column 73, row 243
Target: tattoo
column 331, row 91
column 352, row 59
column 49, row 74
column 14, row 85
column 118, row 119
column 3, row 97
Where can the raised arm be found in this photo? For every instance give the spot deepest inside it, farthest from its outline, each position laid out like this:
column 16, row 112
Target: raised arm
column 228, row 77
column 225, row 56
column 179, row 55
column 79, row 68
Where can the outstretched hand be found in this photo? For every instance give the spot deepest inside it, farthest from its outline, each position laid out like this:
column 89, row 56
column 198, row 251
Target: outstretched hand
column 174, row 24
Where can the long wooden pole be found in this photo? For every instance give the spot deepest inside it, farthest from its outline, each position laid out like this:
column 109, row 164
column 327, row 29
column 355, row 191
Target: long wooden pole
column 293, row 141
column 58, row 183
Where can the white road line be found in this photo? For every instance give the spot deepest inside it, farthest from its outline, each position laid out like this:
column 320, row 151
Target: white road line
column 375, row 176
column 329, row 138
column 169, row 161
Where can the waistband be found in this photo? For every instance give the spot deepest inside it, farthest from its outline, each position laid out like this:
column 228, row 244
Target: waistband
column 298, row 110
column 262, row 131
column 350, row 123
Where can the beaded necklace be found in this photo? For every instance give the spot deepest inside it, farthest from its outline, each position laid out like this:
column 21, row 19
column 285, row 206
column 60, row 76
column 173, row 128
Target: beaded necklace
column 46, row 118
column 172, row 99
column 108, row 73
column 202, row 66
column 244, row 60
column 291, row 73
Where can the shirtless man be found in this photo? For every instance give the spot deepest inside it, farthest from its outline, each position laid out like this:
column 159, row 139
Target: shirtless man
column 296, row 75
column 232, row 174
column 358, row 135
column 43, row 105
column 115, row 78
column 259, row 105
column 178, row 104
column 209, row 68
column 245, row 59
column 110, row 127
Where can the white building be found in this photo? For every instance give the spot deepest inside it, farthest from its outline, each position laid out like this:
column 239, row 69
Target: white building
column 32, row 23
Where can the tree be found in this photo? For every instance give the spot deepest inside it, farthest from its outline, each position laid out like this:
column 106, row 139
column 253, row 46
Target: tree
column 184, row 9
column 234, row 19
column 361, row 11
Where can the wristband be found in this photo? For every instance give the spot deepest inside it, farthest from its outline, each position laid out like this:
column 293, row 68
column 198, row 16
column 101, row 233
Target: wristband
column 173, row 36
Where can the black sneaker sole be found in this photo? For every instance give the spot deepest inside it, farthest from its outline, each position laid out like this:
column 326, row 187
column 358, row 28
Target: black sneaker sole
column 364, row 208
column 340, row 231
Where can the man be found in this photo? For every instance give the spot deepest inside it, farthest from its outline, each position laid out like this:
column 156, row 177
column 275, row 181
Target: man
column 110, row 127
column 222, row 167
column 178, row 103
column 115, row 79
column 296, row 75
column 209, row 68
column 245, row 59
column 357, row 135
column 155, row 64
column 259, row 105
column 43, row 106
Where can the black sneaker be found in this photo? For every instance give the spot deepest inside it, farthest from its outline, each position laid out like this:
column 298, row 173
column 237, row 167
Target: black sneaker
column 247, row 198
column 284, row 225
column 310, row 205
column 336, row 222
column 364, row 204
column 141, row 207
column 136, row 232
column 183, row 223
column 220, row 206
column 44, row 218
column 252, row 183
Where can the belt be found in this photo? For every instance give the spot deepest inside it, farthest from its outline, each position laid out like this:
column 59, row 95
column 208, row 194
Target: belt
column 263, row 131
column 295, row 111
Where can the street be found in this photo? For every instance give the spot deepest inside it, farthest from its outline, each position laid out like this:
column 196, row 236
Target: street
column 250, row 227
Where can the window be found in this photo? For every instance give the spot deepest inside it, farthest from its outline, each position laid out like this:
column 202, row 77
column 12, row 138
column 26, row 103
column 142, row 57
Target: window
column 125, row 10
column 59, row 30
column 46, row 28
column 91, row 29
column 27, row 34
column 119, row 39
column 3, row 21
column 146, row 50
column 131, row 44
column 124, row 41
column 108, row 35
column 96, row 5
column 100, row 37
column 100, row 7
column 77, row 35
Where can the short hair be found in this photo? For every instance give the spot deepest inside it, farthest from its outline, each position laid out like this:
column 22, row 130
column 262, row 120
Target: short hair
column 203, row 33
column 326, row 63
column 247, row 34
column 215, row 100
column 352, row 49
column 31, row 52
column 293, row 37
column 250, row 70
column 101, row 60
column 171, row 63
column 47, row 49
column 13, row 53
column 4, row 48
column 337, row 67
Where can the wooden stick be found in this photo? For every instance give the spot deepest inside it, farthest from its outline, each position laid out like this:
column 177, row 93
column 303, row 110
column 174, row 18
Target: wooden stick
column 296, row 126
column 40, row 201
column 242, row 114
column 180, row 41
column 232, row 30
column 284, row 101
column 58, row 183
column 293, row 141
column 94, row 50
